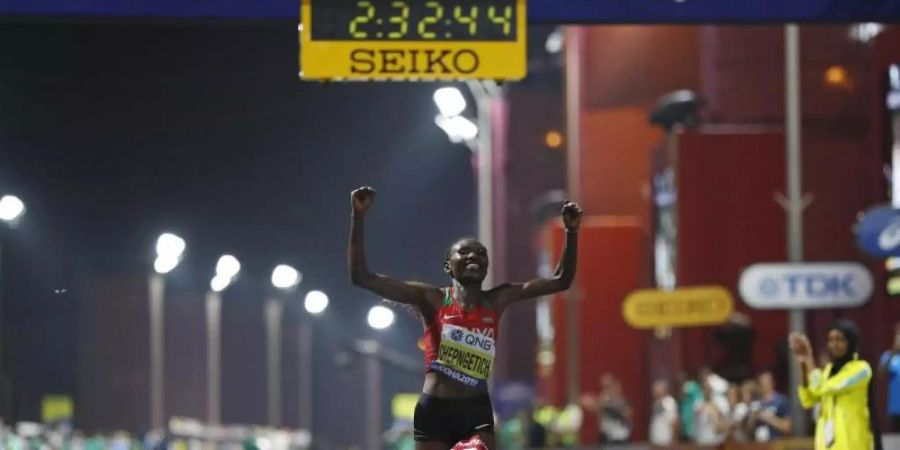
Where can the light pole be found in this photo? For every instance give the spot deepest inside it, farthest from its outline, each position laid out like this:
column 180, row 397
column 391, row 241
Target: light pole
column 227, row 269
column 169, row 251
column 451, row 104
column 379, row 318
column 315, row 303
column 12, row 209
column 284, row 278
column 795, row 202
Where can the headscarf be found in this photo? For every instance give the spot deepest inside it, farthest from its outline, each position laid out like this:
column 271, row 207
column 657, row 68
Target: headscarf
column 851, row 334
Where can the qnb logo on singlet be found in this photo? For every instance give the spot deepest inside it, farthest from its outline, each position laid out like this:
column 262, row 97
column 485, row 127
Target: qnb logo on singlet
column 464, row 355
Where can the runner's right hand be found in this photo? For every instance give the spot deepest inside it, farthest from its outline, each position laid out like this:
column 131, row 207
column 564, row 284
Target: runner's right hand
column 361, row 199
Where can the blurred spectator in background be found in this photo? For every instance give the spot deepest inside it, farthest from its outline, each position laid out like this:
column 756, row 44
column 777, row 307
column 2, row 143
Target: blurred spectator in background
column 535, row 433
column 664, row 415
column 738, row 412
column 541, row 433
column 513, row 431
column 773, row 419
column 748, row 404
column 691, row 396
column 568, row 425
column 889, row 369
column 614, row 412
column 561, row 426
column 718, row 384
column 711, row 418
column 400, row 435
column 736, row 340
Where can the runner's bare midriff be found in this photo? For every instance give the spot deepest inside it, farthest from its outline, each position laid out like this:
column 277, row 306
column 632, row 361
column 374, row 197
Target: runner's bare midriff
column 440, row 386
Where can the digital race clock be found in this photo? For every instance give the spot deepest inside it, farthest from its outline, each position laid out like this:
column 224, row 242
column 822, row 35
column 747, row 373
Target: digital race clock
column 413, row 39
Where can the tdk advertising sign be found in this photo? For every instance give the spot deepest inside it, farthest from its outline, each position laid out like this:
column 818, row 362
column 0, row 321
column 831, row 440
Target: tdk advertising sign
column 878, row 233
column 805, row 285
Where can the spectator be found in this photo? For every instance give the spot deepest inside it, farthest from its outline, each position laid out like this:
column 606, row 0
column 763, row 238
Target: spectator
column 710, row 416
column 718, row 384
column 843, row 388
column 541, row 431
column 889, row 368
column 738, row 413
column 536, row 434
column 614, row 411
column 512, row 435
column 664, row 417
column 772, row 420
column 736, row 337
column 568, row 425
column 748, row 404
column 691, row 396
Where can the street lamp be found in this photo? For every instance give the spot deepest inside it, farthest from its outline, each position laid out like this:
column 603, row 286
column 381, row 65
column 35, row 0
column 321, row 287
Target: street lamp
column 11, row 211
column 449, row 101
column 315, row 303
column 451, row 104
column 458, row 128
column 227, row 269
column 169, row 252
column 380, row 317
column 284, row 278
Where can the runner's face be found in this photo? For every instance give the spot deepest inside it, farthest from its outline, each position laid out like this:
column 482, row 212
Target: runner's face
column 468, row 261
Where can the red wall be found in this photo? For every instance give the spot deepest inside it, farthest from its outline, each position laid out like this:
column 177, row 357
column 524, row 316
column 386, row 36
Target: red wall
column 743, row 77
column 727, row 220
column 631, row 65
column 609, row 267
column 615, row 162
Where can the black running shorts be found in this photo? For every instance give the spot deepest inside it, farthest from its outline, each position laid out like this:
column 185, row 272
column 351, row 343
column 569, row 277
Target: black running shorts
column 452, row 420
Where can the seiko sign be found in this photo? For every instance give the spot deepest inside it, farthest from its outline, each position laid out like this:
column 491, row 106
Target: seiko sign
column 806, row 285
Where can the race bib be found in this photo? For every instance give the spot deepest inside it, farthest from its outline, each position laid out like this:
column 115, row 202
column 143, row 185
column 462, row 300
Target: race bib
column 465, row 356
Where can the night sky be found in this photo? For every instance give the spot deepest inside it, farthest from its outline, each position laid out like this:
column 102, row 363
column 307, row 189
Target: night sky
column 113, row 133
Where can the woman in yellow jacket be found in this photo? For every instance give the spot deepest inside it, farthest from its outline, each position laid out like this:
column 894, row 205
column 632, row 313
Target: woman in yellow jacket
column 842, row 389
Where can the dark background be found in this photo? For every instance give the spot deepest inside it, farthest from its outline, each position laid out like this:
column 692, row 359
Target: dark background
column 114, row 133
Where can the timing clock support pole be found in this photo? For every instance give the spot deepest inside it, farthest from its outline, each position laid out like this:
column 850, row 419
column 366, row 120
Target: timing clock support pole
column 484, row 93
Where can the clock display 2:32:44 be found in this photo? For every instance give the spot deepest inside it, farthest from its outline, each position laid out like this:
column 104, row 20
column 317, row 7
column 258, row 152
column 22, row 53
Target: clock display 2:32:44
column 433, row 20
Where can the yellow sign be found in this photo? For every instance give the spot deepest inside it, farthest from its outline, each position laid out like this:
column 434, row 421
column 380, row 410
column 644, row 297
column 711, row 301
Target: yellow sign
column 687, row 307
column 413, row 39
column 56, row 407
